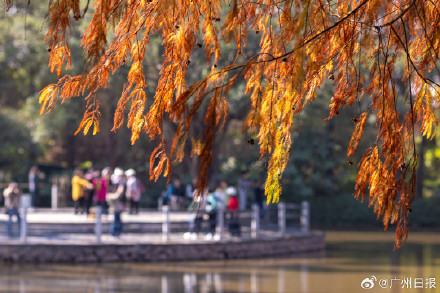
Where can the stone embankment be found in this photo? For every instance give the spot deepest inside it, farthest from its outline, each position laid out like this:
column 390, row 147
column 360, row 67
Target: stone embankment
column 174, row 250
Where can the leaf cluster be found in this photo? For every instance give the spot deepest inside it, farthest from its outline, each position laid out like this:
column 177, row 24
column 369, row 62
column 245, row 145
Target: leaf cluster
column 354, row 44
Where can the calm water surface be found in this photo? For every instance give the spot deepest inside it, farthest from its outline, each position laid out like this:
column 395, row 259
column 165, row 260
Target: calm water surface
column 350, row 257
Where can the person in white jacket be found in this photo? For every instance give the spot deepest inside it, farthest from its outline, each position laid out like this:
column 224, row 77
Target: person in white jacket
column 133, row 193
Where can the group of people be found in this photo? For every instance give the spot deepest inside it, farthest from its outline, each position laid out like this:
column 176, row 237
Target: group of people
column 122, row 191
column 208, row 202
column 117, row 189
column 178, row 196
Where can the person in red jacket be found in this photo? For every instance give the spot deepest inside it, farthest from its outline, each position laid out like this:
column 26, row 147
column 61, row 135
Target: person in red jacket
column 233, row 206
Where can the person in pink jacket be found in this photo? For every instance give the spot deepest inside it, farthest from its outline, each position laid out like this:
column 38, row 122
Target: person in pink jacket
column 100, row 183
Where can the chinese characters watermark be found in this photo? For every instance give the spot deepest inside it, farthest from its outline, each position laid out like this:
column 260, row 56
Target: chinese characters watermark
column 404, row 283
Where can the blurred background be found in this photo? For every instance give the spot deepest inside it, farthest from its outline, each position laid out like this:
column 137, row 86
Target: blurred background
column 318, row 170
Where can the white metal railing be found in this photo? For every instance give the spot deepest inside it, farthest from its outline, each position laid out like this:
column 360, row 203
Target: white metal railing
column 98, row 223
column 255, row 222
column 285, row 212
column 165, row 223
column 220, row 223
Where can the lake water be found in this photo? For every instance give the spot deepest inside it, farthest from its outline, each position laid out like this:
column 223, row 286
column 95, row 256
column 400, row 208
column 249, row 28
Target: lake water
column 350, row 258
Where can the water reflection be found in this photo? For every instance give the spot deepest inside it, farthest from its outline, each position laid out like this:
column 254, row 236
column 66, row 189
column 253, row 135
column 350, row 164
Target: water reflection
column 207, row 283
column 348, row 260
column 281, row 281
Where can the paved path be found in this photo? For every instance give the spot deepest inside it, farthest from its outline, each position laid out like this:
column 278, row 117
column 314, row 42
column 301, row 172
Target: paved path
column 66, row 216
column 47, row 226
column 132, row 238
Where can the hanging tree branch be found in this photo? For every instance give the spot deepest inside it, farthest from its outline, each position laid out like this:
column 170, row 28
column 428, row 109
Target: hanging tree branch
column 324, row 39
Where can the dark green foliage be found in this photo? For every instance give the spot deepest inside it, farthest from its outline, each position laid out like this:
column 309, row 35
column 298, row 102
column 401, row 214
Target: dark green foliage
column 17, row 150
column 342, row 212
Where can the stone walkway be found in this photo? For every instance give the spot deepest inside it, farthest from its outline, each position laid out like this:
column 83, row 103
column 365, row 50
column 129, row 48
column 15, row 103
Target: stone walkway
column 60, row 236
column 59, row 227
column 66, row 216
column 132, row 239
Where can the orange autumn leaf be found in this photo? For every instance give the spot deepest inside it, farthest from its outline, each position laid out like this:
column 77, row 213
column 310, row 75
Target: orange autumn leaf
column 357, row 134
column 355, row 45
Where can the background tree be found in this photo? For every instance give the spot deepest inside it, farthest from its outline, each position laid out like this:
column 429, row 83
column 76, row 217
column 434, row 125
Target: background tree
column 17, row 145
column 302, row 44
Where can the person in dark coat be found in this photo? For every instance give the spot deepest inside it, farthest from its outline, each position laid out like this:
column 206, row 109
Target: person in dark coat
column 33, row 184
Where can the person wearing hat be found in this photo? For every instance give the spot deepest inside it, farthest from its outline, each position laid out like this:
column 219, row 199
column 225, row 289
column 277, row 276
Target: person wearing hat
column 116, row 200
column 118, row 173
column 233, row 207
column 133, row 193
column 231, row 192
